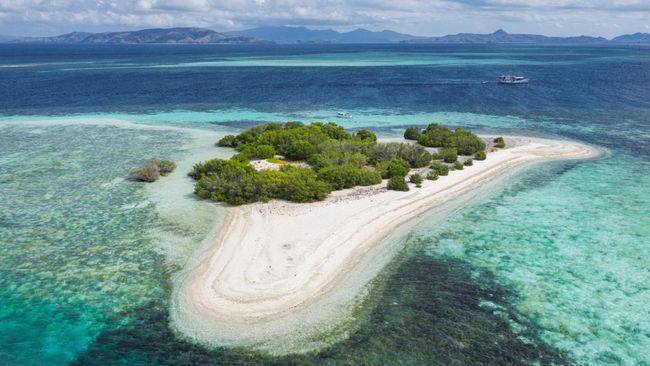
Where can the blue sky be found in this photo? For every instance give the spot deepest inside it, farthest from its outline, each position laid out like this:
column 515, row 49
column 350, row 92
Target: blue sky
column 421, row 17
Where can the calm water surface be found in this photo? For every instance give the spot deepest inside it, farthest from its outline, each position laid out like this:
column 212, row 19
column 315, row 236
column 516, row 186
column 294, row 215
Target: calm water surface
column 551, row 268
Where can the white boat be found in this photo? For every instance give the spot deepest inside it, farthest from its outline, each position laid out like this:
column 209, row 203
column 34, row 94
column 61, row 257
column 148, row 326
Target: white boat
column 343, row 115
column 512, row 79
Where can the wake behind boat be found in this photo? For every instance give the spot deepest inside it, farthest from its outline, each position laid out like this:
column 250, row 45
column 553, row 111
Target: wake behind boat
column 512, row 79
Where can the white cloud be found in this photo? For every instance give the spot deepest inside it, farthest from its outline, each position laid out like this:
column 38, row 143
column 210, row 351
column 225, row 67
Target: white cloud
column 429, row 17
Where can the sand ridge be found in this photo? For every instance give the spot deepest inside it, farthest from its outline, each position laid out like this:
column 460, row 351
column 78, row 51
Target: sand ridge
column 281, row 275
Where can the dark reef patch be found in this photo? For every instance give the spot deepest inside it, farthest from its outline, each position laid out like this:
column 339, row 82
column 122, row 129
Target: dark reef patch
column 430, row 311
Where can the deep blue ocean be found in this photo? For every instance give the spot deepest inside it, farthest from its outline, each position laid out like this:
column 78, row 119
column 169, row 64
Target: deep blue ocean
column 551, row 268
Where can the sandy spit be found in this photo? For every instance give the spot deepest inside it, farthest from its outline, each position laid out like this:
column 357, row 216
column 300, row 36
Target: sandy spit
column 282, row 277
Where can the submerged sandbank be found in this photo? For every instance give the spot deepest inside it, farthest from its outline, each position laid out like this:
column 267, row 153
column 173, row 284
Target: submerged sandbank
column 283, row 277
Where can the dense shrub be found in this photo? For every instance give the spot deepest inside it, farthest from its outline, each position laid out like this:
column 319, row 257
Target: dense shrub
column 228, row 141
column 415, row 155
column 458, row 165
column 366, row 136
column 238, row 183
column 499, row 142
column 440, row 168
column 397, row 183
column 448, row 154
column 480, row 155
column 165, row 166
column 293, row 139
column 468, row 162
column 393, row 168
column 150, row 172
column 297, row 185
column 340, row 152
column 251, row 151
column 465, row 142
column 434, row 135
column 412, row 133
column 348, row 176
column 300, row 150
column 416, row 179
column 337, row 160
column 433, row 175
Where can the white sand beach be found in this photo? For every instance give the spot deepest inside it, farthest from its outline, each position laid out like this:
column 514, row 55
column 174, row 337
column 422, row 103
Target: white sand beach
column 283, row 277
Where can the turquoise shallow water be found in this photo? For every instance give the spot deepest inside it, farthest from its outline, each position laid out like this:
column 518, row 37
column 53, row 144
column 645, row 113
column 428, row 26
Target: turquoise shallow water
column 77, row 248
column 575, row 252
column 551, row 267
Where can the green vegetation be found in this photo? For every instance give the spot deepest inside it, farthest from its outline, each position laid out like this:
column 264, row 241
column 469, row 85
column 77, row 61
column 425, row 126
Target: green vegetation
column 237, row 183
column 348, row 176
column 439, row 168
column 412, row 133
column 480, row 155
column 397, row 183
column 275, row 160
column 336, row 159
column 152, row 170
column 228, row 141
column 165, row 166
column 468, row 162
column 395, row 167
column 257, row 151
column 465, row 142
column 457, row 165
column 416, row 179
column 499, row 142
column 366, row 136
column 448, row 154
column 415, row 155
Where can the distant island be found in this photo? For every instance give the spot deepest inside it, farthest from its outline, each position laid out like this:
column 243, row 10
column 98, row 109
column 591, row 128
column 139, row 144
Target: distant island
column 302, row 35
column 155, row 36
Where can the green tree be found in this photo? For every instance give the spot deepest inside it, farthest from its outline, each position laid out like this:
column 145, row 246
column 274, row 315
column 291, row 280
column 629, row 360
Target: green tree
column 499, row 142
column 458, row 165
column 480, row 155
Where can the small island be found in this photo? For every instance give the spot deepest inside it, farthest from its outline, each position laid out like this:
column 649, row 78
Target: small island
column 308, row 209
column 152, row 170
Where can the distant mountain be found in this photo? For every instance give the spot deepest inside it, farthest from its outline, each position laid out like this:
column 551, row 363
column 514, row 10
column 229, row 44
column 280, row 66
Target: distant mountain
column 633, row 38
column 502, row 36
column 306, row 35
column 170, row 35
